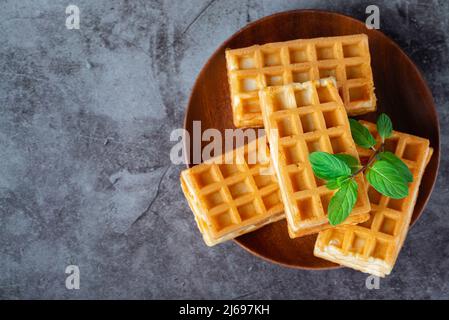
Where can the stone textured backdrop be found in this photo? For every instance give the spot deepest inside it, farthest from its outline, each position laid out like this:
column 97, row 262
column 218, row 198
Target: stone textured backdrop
column 85, row 176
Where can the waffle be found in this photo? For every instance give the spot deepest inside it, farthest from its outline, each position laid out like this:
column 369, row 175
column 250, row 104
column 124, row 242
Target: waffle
column 308, row 117
column 346, row 58
column 374, row 245
column 229, row 200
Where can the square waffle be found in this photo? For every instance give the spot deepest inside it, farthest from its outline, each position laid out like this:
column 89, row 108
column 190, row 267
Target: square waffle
column 300, row 119
column 374, row 245
column 231, row 199
column 346, row 58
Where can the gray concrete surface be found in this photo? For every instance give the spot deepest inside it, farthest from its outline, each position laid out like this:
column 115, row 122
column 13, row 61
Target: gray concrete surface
column 85, row 176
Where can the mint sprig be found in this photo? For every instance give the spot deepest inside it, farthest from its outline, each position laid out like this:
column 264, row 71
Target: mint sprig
column 352, row 162
column 339, row 170
column 384, row 126
column 361, row 135
column 342, row 202
column 387, row 180
column 400, row 166
column 326, row 166
column 385, row 171
column 336, row 183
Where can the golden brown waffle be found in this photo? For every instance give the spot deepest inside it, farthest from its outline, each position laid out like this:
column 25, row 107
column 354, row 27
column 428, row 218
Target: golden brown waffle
column 229, row 200
column 308, row 117
column 346, row 58
column 374, row 245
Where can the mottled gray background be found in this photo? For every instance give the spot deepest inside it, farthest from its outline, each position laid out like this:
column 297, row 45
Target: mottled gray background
column 85, row 176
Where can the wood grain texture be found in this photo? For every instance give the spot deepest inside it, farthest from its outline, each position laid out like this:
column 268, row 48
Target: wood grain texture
column 401, row 91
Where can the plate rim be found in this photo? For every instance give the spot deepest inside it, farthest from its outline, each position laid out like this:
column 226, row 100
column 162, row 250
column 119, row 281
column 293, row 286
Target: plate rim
column 427, row 92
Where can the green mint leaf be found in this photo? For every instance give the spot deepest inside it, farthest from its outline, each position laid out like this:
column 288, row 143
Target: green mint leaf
column 336, row 183
column 352, row 162
column 402, row 168
column 361, row 135
column 387, row 180
column 326, row 166
column 384, row 126
column 342, row 202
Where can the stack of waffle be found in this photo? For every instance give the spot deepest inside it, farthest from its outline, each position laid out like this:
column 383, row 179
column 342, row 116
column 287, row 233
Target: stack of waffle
column 302, row 92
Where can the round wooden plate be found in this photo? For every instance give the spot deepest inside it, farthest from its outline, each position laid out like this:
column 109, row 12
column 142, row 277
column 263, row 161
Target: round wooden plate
column 400, row 89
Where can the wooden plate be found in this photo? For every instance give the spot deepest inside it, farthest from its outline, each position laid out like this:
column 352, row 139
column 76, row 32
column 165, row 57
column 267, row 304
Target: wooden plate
column 401, row 91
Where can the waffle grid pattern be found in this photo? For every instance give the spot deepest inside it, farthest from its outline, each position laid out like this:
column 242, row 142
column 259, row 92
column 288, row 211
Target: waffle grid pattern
column 229, row 200
column 346, row 58
column 374, row 245
column 308, row 117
